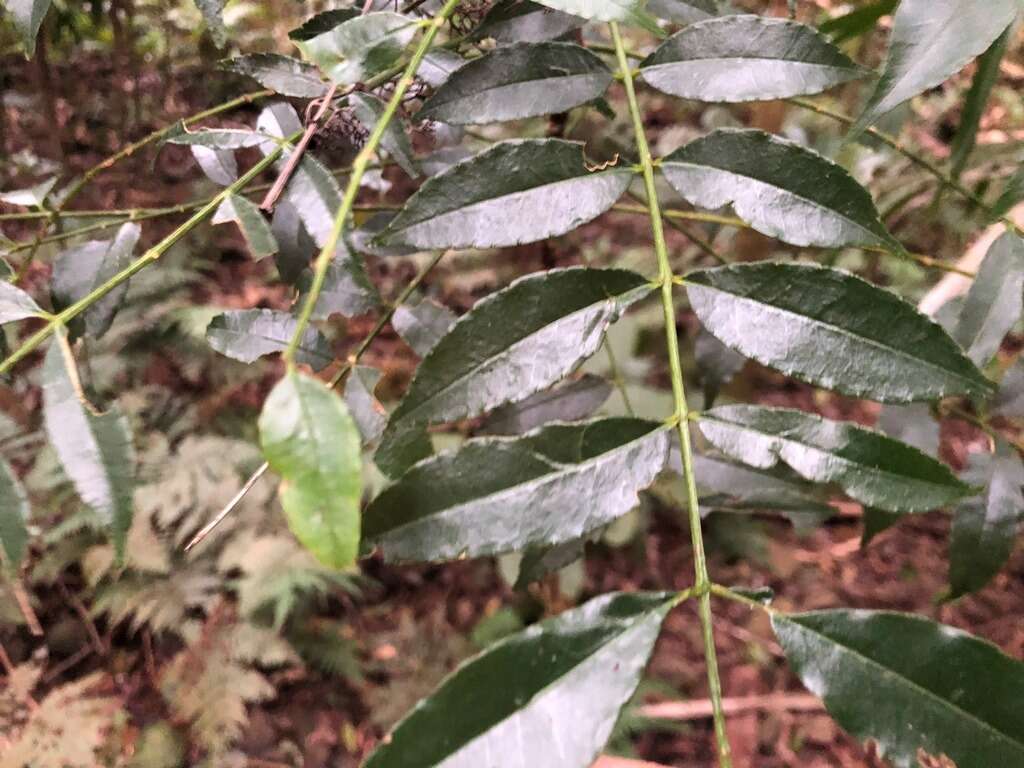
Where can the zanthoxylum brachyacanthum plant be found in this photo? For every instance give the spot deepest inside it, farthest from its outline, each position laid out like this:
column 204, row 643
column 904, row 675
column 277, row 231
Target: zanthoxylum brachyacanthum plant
column 550, row 695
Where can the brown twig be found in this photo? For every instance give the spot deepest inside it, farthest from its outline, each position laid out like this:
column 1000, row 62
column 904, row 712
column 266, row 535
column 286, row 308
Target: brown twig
column 25, row 605
column 701, row 710
column 293, row 159
column 83, row 614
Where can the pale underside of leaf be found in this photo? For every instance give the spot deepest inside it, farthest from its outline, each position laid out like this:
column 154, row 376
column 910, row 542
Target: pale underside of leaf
column 747, row 58
column 868, row 466
column 780, row 188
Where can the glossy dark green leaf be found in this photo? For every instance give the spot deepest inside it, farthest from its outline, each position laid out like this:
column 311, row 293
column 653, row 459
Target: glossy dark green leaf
column 218, row 165
column 555, row 714
column 315, row 196
column 985, row 529
column 1012, row 194
column 519, row 81
column 539, row 562
column 80, row 270
column 684, row 11
column 515, row 192
column 361, row 47
column 974, row 104
column 832, row 329
column 30, row 197
column 626, row 11
column 422, row 325
column 995, row 300
column 14, row 512
column 28, row 16
column 95, row 449
column 930, row 42
column 780, row 188
column 857, row 22
column 213, row 14
column 503, row 494
column 910, row 684
column 250, row 221
column 347, row 290
column 870, row 467
column 15, row 304
column 367, row 411
column 287, row 76
column 569, row 401
column 368, row 110
column 311, row 441
column 515, row 342
column 523, row 21
column 248, row 334
column 717, row 364
column 747, row 58
column 322, row 22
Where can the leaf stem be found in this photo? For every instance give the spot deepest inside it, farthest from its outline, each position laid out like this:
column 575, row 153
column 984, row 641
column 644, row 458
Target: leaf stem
column 702, row 582
column 149, row 257
column 359, row 168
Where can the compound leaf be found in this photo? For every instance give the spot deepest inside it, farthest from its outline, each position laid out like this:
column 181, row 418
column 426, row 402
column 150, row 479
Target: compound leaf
column 309, row 438
column 747, row 58
column 519, row 81
column 555, row 714
column 833, row 329
column 910, row 685
column 780, row 188
column 515, row 192
column 498, row 495
column 870, row 467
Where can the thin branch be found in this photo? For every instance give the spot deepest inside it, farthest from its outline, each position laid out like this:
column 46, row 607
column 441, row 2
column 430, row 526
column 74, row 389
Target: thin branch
column 702, row 582
column 359, row 167
column 701, row 710
column 149, row 257
column 300, row 149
